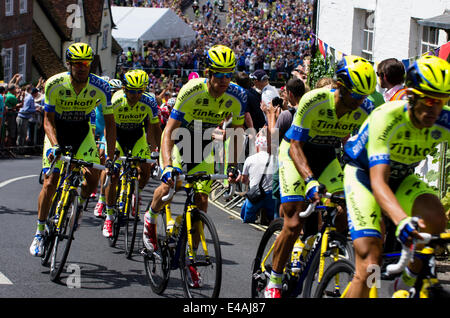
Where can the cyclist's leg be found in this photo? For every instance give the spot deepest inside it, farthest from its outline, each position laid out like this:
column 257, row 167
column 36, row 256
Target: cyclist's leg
column 364, row 216
column 418, row 199
column 150, row 218
column 101, row 203
column 332, row 178
column 292, row 202
column 45, row 200
column 142, row 150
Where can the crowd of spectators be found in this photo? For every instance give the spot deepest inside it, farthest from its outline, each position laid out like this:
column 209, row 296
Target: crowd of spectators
column 21, row 113
column 273, row 36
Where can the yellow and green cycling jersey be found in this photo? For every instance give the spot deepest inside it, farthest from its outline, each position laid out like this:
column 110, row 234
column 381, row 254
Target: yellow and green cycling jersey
column 199, row 112
column 133, row 117
column 131, row 121
column 61, row 99
column 194, row 103
column 316, row 125
column 73, row 113
column 388, row 137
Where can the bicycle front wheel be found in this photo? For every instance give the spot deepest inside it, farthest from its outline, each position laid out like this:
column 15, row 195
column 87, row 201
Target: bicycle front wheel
column 157, row 264
column 201, row 268
column 336, row 280
column 337, row 243
column 262, row 264
column 131, row 220
column 49, row 236
column 64, row 237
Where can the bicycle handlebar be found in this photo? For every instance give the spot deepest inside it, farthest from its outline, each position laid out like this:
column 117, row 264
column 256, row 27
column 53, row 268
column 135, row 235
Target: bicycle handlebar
column 183, row 177
column 406, row 255
column 312, row 206
column 124, row 158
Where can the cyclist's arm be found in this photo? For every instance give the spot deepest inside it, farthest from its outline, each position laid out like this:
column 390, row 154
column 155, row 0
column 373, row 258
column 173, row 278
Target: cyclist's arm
column 153, row 135
column 238, row 146
column 167, row 142
column 379, row 176
column 50, row 127
column 299, row 158
column 110, row 134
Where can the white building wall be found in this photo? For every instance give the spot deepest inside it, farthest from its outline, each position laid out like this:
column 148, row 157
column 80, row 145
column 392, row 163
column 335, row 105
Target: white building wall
column 396, row 30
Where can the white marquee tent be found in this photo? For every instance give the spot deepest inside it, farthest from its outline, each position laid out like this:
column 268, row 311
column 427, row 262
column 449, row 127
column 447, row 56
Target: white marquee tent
column 135, row 26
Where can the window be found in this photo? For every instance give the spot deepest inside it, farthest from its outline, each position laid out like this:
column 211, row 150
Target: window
column 9, row 7
column 430, row 38
column 22, row 61
column 7, row 55
column 23, row 6
column 368, row 33
column 105, row 39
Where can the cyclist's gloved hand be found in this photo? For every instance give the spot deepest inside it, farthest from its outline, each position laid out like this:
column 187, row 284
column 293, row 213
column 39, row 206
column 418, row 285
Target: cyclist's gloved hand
column 312, row 187
column 405, row 229
column 169, row 172
column 53, row 152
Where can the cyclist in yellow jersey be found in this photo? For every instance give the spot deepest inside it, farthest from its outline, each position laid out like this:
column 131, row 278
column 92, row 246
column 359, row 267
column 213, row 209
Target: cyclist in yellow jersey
column 99, row 210
column 379, row 175
column 138, row 129
column 307, row 154
column 204, row 103
column 70, row 97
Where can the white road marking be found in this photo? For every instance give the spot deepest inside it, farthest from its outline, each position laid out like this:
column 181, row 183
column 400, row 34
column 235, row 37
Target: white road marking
column 4, row 280
column 4, row 183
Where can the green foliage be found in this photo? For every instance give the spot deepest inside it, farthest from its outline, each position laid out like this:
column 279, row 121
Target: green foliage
column 319, row 69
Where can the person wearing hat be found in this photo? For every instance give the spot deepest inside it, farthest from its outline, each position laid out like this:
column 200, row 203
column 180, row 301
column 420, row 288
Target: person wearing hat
column 261, row 82
column 252, row 174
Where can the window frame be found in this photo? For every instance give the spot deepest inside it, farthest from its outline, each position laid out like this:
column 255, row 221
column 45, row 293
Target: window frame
column 368, row 36
column 7, row 69
column 22, row 62
column 9, row 8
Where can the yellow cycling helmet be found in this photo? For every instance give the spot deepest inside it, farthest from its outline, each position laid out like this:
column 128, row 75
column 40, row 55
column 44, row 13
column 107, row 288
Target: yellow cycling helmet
column 79, row 51
column 429, row 74
column 356, row 74
column 221, row 57
column 136, row 79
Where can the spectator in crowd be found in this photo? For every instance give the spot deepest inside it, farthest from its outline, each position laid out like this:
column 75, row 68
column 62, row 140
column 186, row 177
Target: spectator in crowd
column 252, row 174
column 2, row 111
column 391, row 73
column 11, row 105
column 261, row 82
column 263, row 36
column 278, row 125
column 26, row 112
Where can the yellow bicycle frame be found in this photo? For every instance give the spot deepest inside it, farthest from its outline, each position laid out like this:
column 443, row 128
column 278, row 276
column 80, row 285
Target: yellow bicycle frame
column 63, row 201
column 190, row 237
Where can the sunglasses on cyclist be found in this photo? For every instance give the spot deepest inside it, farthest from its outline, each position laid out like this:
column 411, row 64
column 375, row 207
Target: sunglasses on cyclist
column 81, row 63
column 222, row 75
column 430, row 100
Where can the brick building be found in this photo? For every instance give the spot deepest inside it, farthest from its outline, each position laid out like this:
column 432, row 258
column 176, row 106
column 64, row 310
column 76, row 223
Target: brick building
column 16, row 18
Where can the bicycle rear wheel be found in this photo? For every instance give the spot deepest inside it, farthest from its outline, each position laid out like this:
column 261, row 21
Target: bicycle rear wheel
column 157, row 264
column 201, row 275
column 131, row 220
column 260, row 276
column 335, row 280
column 64, row 237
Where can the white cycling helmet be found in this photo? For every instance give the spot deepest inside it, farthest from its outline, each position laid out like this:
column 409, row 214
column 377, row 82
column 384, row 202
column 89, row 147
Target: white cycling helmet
column 115, row 83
